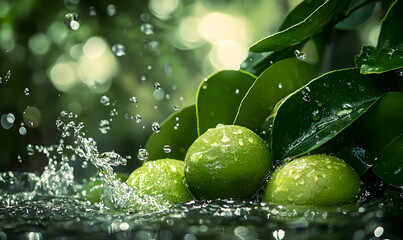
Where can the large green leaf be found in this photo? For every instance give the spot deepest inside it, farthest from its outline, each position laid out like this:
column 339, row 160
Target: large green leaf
column 178, row 132
column 375, row 60
column 391, row 34
column 302, row 30
column 300, row 13
column 219, row 96
column 323, row 108
column 275, row 83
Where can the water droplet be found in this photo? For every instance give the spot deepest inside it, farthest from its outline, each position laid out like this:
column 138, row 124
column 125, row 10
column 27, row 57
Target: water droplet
column 134, row 99
column 147, row 29
column 26, row 91
column 316, row 115
column 154, row 45
column 19, row 159
column 176, row 126
column 300, row 54
column 71, row 21
column 182, row 98
column 22, row 131
column 350, row 85
column 167, row 148
column 237, row 91
column 119, row 50
column 176, row 107
column 168, row 70
column 143, row 78
column 397, row 170
column 156, row 127
column 149, row 67
column 142, row 154
column 111, row 10
column 91, row 11
column 138, row 118
column 104, row 126
column 114, row 112
column 157, row 85
column 10, row 118
column 361, row 88
column 306, row 98
column 280, row 85
column 30, row 149
column 84, row 164
column 5, row 121
column 225, row 139
column 105, row 100
column 167, row 96
column 145, row 17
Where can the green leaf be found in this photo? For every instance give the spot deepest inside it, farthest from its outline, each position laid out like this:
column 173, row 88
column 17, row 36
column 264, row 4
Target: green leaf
column 359, row 11
column 302, row 30
column 391, row 34
column 300, row 13
column 219, row 96
column 390, row 163
column 374, row 60
column 178, row 131
column 322, row 109
column 256, row 63
column 278, row 81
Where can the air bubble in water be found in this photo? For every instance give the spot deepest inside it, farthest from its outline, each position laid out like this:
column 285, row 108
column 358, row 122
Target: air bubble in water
column 142, row 154
column 157, row 85
column 26, row 91
column 104, row 126
column 119, row 50
column 138, row 118
column 167, row 148
column 134, row 99
column 111, row 10
column 300, row 54
column 147, row 28
column 71, row 21
column 105, row 100
column 156, row 127
column 30, row 150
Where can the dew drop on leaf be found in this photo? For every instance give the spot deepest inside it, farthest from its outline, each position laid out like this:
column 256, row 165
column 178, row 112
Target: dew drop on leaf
column 134, row 99
column 167, row 148
column 71, row 21
column 157, row 85
column 26, row 91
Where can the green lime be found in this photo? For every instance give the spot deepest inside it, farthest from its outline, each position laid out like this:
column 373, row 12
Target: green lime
column 92, row 190
column 164, row 177
column 227, row 162
column 316, row 180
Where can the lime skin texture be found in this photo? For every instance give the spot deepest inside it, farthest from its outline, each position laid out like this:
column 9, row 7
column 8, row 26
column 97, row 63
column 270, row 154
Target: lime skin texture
column 228, row 161
column 315, row 180
column 164, row 177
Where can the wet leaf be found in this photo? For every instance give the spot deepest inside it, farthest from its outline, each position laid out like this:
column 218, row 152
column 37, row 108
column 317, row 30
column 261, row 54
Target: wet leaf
column 275, row 83
column 375, row 60
column 302, row 30
column 323, row 108
column 177, row 133
column 219, row 96
column 300, row 13
column 391, row 34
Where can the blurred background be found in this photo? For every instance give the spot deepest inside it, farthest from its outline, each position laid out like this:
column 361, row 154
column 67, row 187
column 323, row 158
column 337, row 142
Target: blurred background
column 122, row 65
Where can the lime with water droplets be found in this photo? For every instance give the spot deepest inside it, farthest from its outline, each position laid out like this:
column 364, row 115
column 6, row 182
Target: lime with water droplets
column 164, row 177
column 227, row 162
column 316, row 180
